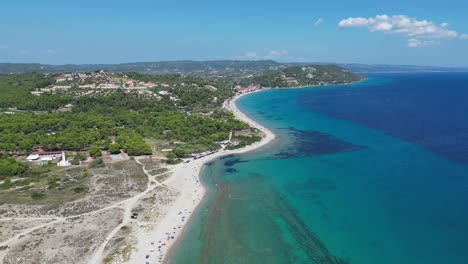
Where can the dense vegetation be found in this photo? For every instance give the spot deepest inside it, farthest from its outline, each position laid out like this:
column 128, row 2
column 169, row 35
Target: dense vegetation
column 15, row 92
column 22, row 131
column 195, row 93
column 93, row 122
column 9, row 166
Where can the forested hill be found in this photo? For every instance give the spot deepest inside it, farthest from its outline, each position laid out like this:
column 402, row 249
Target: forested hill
column 186, row 67
column 76, row 111
column 303, row 76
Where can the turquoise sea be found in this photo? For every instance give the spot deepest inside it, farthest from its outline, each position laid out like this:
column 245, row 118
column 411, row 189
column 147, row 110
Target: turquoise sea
column 373, row 172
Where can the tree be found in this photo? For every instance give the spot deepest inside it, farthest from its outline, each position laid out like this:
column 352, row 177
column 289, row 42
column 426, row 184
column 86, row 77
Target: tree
column 114, row 148
column 171, row 156
column 77, row 158
column 94, row 151
column 96, row 163
column 11, row 167
column 179, row 152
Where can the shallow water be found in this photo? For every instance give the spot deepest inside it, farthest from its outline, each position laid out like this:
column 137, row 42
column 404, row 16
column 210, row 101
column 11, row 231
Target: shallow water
column 353, row 178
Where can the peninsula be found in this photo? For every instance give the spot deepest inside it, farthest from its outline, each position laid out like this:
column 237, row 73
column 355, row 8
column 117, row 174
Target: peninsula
column 103, row 167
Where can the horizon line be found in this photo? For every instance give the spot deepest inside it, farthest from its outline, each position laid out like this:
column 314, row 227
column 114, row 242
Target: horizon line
column 239, row 60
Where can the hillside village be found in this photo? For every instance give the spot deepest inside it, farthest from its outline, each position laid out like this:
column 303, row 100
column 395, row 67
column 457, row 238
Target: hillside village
column 102, row 82
column 94, row 83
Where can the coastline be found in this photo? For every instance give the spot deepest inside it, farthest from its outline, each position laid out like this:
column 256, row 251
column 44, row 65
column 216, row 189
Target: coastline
column 186, row 180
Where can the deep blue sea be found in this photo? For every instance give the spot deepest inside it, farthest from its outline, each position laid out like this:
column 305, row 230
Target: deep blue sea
column 373, row 172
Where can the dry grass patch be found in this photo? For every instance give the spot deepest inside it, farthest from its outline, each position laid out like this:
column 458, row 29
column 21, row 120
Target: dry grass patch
column 71, row 241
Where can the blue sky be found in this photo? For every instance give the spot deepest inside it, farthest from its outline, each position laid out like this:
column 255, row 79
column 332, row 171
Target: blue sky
column 365, row 31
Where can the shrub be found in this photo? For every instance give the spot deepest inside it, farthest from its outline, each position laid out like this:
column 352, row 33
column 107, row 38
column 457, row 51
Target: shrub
column 38, row 196
column 85, row 174
column 94, row 151
column 173, row 161
column 96, row 163
column 81, row 189
column 114, row 148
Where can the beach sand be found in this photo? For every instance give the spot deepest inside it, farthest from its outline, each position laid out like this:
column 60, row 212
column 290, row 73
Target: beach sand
column 154, row 242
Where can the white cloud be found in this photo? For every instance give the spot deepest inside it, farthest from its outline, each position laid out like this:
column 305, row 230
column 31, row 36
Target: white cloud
column 355, row 22
column 3, row 46
column 276, row 54
column 382, row 26
column 318, row 22
column 464, row 36
column 416, row 43
column 24, row 52
column 423, row 31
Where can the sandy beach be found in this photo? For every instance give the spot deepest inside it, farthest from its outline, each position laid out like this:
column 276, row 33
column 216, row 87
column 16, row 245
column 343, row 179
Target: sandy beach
column 154, row 242
column 134, row 212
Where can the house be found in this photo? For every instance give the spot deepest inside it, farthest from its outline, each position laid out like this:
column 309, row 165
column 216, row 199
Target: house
column 82, row 75
column 36, row 92
column 32, row 157
column 87, row 86
column 46, row 159
column 56, row 87
column 109, row 86
column 249, row 88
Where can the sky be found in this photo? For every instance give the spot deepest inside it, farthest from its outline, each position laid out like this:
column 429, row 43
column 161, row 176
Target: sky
column 430, row 32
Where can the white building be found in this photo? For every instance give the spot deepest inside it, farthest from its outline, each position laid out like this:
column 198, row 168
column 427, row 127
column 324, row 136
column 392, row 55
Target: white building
column 32, row 157
column 46, row 159
column 87, row 86
column 63, row 162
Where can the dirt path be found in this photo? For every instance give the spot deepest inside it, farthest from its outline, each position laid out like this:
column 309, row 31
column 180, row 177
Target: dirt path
column 32, row 229
column 127, row 205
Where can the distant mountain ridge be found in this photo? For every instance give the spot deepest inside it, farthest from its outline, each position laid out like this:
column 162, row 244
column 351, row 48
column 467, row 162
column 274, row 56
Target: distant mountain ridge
column 206, row 68
column 161, row 67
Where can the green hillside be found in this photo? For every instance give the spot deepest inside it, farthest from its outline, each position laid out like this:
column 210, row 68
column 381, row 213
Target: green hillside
column 303, row 76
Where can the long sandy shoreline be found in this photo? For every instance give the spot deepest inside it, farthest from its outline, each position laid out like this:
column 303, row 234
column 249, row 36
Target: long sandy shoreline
column 156, row 242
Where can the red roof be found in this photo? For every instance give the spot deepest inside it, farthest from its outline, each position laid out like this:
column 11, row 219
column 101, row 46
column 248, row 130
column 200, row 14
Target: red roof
column 48, row 152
